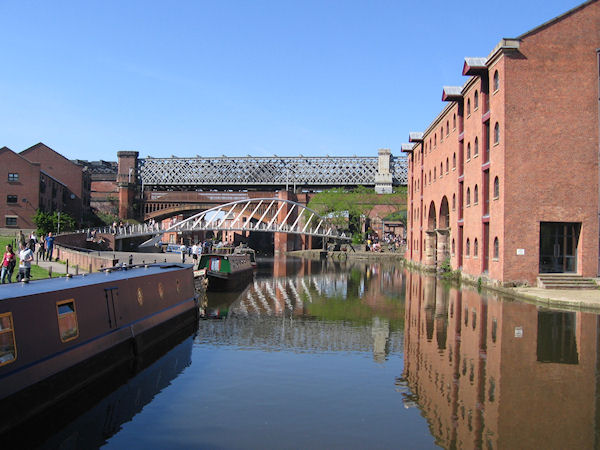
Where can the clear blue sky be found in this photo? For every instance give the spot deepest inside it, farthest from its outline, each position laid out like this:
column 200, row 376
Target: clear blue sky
column 90, row 78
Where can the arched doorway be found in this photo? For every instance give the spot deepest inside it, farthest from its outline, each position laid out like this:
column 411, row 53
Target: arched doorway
column 430, row 239
column 443, row 232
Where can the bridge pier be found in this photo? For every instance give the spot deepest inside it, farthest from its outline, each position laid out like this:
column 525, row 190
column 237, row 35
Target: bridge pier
column 285, row 242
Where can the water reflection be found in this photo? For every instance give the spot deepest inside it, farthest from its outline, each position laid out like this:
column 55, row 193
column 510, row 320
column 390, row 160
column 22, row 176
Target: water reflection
column 313, row 306
column 489, row 372
column 90, row 417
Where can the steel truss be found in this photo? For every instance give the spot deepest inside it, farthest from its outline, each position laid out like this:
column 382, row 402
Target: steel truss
column 263, row 215
column 267, row 171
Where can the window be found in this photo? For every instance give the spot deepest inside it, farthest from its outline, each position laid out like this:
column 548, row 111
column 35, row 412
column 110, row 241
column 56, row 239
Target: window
column 12, row 199
column 475, row 248
column 442, row 134
column 454, row 121
column 496, row 187
column 476, row 195
column 454, row 161
column 447, row 165
column 496, row 133
column 468, row 196
column 468, row 107
column 468, row 247
column 447, row 127
column 434, row 174
column 473, row 323
column 67, row 320
column 8, row 348
column 496, row 248
column 453, row 202
column 453, row 246
column 441, row 169
column 435, row 140
column 10, row 221
column 468, row 151
column 476, row 147
column 13, row 177
column 496, row 81
column 476, row 100
column 430, row 177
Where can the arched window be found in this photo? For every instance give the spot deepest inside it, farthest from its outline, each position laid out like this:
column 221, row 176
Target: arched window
column 476, row 195
column 454, row 161
column 454, row 121
column 496, row 133
column 435, row 140
column 475, row 248
column 476, row 100
column 442, row 134
column 476, row 147
column 496, row 248
column 434, row 175
column 496, row 187
column 430, row 177
column 447, row 127
column 453, row 245
column 468, row 196
column 468, row 151
column 468, row 247
column 468, row 107
column 447, row 165
column 496, row 81
column 453, row 202
column 441, row 169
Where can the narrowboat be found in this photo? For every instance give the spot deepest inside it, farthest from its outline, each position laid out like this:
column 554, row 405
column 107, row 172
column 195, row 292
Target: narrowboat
column 85, row 325
column 226, row 271
column 245, row 250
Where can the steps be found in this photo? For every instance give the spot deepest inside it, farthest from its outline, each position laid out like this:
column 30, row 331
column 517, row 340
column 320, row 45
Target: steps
column 565, row 281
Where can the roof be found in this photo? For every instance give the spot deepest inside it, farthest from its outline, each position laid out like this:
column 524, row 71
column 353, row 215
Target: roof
column 407, row 147
column 474, row 65
column 451, row 93
column 415, row 136
column 44, row 147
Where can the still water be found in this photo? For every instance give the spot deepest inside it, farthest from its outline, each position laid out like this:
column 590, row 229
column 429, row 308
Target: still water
column 317, row 354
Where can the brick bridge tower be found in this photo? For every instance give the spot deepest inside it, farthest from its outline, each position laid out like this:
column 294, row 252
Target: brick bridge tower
column 127, row 182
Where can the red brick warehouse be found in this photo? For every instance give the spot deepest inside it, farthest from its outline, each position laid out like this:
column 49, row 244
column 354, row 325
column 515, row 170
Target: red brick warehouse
column 504, row 182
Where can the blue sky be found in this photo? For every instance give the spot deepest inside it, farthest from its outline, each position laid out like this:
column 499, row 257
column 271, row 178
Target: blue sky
column 185, row 78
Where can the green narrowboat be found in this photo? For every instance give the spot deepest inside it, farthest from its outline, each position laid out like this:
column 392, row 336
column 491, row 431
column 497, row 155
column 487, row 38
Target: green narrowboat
column 226, row 271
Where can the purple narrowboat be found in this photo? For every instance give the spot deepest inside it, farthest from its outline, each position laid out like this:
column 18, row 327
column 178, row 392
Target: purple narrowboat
column 84, row 325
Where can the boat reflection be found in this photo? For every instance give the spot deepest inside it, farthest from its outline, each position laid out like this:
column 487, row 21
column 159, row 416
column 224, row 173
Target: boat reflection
column 87, row 419
column 490, row 372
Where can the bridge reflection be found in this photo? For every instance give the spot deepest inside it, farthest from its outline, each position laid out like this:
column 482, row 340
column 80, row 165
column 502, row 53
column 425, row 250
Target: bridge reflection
column 493, row 373
column 337, row 307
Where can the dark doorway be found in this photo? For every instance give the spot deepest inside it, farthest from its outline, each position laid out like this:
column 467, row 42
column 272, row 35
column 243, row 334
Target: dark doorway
column 558, row 247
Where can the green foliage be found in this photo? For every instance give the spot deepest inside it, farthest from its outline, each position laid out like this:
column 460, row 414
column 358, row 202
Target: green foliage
column 346, row 207
column 399, row 215
column 46, row 222
column 447, row 272
column 358, row 238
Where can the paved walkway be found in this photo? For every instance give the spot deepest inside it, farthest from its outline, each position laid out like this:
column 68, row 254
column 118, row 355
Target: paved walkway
column 588, row 299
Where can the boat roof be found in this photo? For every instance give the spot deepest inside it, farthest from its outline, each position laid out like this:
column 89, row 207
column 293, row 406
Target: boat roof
column 20, row 289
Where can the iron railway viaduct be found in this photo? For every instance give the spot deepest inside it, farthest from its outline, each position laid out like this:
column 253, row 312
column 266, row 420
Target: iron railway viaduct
column 159, row 188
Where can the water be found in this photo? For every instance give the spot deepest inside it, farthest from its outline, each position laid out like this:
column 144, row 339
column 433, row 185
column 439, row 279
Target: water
column 354, row 355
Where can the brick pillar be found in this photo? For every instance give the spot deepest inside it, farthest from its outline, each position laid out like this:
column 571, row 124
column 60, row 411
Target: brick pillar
column 127, row 182
column 430, row 248
column 284, row 241
column 443, row 248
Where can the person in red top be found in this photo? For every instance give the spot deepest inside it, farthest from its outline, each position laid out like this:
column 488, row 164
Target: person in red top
column 8, row 264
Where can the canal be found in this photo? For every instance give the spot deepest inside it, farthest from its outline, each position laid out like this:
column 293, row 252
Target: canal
column 322, row 354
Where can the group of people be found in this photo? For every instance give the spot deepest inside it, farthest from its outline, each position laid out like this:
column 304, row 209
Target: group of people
column 27, row 247
column 393, row 242
column 196, row 250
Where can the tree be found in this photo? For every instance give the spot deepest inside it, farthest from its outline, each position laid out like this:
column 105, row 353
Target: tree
column 47, row 222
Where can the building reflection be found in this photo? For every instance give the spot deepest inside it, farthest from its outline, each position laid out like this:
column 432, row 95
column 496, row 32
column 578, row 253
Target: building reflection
column 493, row 373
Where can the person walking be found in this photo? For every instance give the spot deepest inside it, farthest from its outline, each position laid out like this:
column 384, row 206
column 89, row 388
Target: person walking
column 8, row 264
column 49, row 246
column 41, row 251
column 25, row 258
column 182, row 249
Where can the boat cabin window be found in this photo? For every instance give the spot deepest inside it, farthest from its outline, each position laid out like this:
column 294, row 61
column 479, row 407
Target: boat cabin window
column 67, row 320
column 8, row 349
